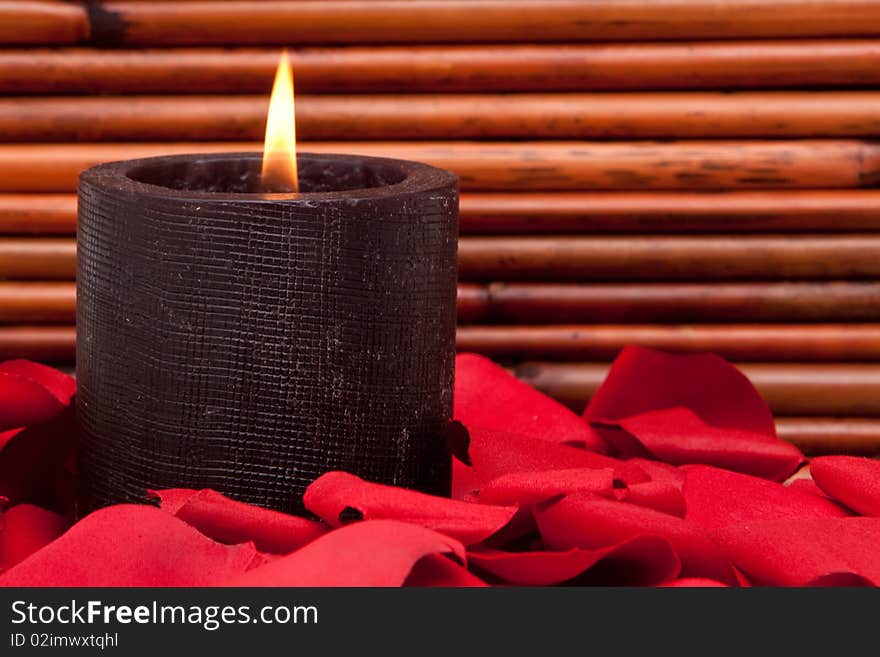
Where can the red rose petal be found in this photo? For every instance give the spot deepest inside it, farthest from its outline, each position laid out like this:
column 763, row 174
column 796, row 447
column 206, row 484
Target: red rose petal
column 435, row 570
column 229, row 521
column 538, row 486
column 657, row 495
column 643, row 380
column 62, row 385
column 643, row 560
column 33, row 463
column 585, row 521
column 659, row 471
column 717, row 498
column 852, row 480
column 806, row 551
column 493, row 454
column 336, row 493
column 678, row 436
column 807, row 486
column 489, row 397
column 31, row 393
column 369, row 553
column 172, row 500
column 6, row 436
column 26, row 529
column 131, row 545
column 693, row 583
column 464, row 481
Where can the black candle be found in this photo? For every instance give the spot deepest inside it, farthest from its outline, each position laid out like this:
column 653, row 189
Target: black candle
column 250, row 342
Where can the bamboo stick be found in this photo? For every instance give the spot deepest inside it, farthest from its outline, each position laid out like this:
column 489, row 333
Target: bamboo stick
column 588, row 212
column 473, row 303
column 45, row 258
column 388, row 21
column 743, row 342
column 37, row 302
column 671, row 212
column 815, row 436
column 670, row 258
column 449, row 116
column 790, row 389
column 51, row 344
column 491, row 341
column 622, row 258
column 55, row 302
column 27, row 21
column 520, row 166
column 681, row 302
column 449, row 68
column 37, row 214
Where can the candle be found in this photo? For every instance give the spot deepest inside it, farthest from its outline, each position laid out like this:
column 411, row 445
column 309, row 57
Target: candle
column 248, row 342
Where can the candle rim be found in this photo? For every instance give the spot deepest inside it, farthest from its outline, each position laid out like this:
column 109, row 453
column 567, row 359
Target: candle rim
column 418, row 178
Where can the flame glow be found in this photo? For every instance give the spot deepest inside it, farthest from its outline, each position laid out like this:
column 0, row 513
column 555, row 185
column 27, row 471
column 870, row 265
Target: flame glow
column 279, row 152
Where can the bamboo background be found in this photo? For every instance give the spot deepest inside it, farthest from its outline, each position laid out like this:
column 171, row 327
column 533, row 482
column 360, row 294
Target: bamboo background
column 683, row 174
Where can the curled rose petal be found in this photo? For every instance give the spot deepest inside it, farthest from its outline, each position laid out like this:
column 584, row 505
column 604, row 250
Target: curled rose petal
column 807, row 486
column 489, row 397
column 27, row 528
column 337, row 497
column 492, row 454
column 229, row 521
column 717, row 498
column 851, row 480
column 678, row 436
column 658, row 495
column 435, row 570
column 537, row 486
column 643, row 560
column 806, row 551
column 369, row 553
column 585, row 521
column 31, row 393
column 643, row 380
column 659, row 471
column 131, row 545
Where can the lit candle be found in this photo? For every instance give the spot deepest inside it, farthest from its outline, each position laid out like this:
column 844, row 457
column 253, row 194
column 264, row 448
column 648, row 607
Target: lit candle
column 248, row 342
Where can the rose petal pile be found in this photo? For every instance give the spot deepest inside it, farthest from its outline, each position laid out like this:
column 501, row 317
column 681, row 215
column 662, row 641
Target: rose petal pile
column 673, row 476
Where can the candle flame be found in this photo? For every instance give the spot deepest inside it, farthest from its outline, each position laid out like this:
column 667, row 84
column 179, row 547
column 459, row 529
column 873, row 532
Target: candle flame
column 279, row 152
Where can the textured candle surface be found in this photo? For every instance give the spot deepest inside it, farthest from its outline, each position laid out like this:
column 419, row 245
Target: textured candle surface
column 250, row 343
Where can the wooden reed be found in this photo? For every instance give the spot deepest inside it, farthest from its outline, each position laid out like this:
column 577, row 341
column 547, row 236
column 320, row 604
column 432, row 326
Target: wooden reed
column 449, row 116
column 743, row 342
column 606, row 258
column 449, row 68
column 573, row 212
column 473, row 303
column 388, row 21
column 50, row 344
column 37, row 302
column 671, row 212
column 55, row 302
column 647, row 302
column 44, row 258
column 815, row 436
column 37, row 214
column 26, row 22
column 520, row 166
column 813, row 389
column 712, row 257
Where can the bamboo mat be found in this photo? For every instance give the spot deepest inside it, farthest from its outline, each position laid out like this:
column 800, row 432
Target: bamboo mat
column 683, row 174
